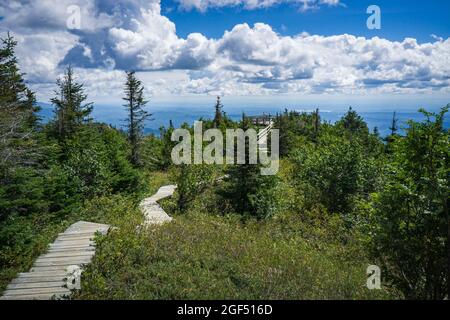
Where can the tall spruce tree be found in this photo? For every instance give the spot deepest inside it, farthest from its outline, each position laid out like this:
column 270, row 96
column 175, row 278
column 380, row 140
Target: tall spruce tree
column 12, row 87
column 167, row 144
column 218, row 113
column 70, row 109
column 316, row 116
column 17, row 108
column 135, row 102
column 249, row 192
column 394, row 126
column 393, row 136
column 20, row 181
column 376, row 132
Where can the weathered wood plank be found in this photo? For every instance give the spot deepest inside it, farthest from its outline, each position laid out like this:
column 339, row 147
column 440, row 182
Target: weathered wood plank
column 65, row 243
column 49, row 269
column 76, row 238
column 66, row 254
column 19, row 292
column 62, row 247
column 29, row 297
column 74, row 233
column 72, row 248
column 66, row 263
column 33, row 285
column 40, row 278
column 64, row 258
column 43, row 273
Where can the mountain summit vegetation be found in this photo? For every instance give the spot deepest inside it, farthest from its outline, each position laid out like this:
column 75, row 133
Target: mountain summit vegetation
column 344, row 199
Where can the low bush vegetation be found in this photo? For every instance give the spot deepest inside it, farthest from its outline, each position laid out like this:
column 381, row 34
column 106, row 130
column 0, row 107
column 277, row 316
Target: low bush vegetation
column 200, row 256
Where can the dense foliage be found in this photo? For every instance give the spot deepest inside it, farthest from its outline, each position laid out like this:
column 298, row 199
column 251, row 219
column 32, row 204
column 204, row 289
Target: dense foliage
column 410, row 222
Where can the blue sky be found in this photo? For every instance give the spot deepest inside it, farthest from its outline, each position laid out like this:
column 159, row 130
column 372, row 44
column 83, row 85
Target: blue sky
column 275, row 50
column 400, row 18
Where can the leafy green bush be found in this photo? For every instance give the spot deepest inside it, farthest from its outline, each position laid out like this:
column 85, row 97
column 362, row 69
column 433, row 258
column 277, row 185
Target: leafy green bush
column 335, row 173
column 95, row 158
column 410, row 223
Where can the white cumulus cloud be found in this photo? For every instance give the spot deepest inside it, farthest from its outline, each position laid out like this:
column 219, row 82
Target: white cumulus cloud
column 203, row 5
column 246, row 60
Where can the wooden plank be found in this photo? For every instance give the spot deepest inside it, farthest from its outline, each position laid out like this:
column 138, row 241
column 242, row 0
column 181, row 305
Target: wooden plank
column 67, row 254
column 31, row 285
column 71, row 242
column 72, row 245
column 29, row 291
column 60, row 263
column 47, row 296
column 79, row 247
column 66, row 241
column 75, row 238
column 49, row 269
column 37, row 279
column 42, row 274
column 86, row 247
column 65, row 258
column 75, row 234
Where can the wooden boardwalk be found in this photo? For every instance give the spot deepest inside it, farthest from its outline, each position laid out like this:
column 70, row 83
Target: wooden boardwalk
column 47, row 277
column 262, row 138
column 75, row 247
column 152, row 211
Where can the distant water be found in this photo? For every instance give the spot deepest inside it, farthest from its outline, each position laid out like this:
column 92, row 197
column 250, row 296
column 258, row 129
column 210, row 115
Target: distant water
column 163, row 113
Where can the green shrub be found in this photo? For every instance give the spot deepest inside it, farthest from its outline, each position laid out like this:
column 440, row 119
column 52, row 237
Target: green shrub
column 410, row 221
column 335, row 173
column 201, row 256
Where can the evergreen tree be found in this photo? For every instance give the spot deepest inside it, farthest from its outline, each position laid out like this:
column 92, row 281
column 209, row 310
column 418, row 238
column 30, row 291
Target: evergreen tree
column 286, row 137
column 17, row 108
column 390, row 139
column 70, row 110
column 32, row 109
column 353, row 122
column 316, row 116
column 167, row 146
column 394, row 127
column 192, row 180
column 15, row 98
column 376, row 132
column 135, row 102
column 12, row 86
column 295, row 128
column 218, row 113
column 249, row 192
column 20, row 182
